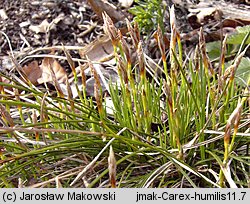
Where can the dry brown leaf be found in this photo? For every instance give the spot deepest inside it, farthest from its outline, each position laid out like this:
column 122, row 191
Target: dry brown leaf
column 100, row 6
column 42, row 74
column 51, row 63
column 233, row 23
column 98, row 49
column 33, row 72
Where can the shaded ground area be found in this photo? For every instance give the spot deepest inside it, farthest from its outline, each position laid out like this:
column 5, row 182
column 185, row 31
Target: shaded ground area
column 31, row 23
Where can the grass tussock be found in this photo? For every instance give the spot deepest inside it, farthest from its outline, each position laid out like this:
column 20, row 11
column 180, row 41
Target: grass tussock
column 188, row 127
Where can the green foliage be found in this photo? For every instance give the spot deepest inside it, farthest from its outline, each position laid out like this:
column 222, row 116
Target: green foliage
column 233, row 43
column 213, row 49
column 148, row 14
column 242, row 75
column 239, row 36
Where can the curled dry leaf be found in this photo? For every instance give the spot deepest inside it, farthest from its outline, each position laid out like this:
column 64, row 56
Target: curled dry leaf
column 48, row 63
column 33, row 71
column 39, row 74
column 98, row 50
